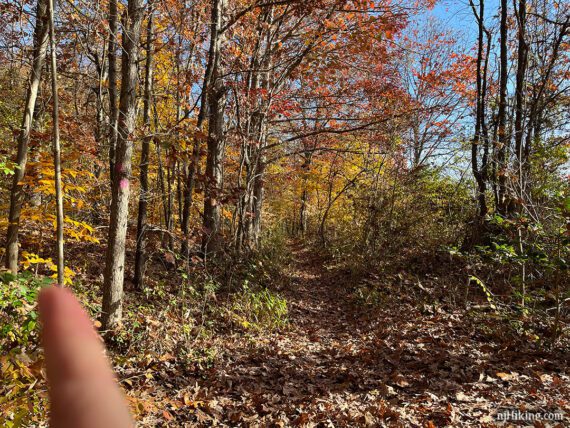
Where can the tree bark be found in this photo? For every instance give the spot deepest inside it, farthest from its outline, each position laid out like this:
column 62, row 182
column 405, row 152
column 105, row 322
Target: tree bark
column 115, row 257
column 479, row 137
column 16, row 194
column 140, row 255
column 520, row 90
column 212, row 240
column 112, row 73
column 503, row 140
column 56, row 151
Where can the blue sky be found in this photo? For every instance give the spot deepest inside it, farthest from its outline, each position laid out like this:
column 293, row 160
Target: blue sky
column 458, row 16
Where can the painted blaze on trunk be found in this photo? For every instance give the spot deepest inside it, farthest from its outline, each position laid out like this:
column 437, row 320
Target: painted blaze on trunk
column 115, row 257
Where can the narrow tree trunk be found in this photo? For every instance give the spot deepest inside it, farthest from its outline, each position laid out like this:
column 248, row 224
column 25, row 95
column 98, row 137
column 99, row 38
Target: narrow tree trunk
column 113, row 110
column 478, row 171
column 16, row 194
column 115, row 257
column 56, row 150
column 168, row 242
column 258, row 194
column 303, row 220
column 303, row 212
column 520, row 89
column 99, row 127
column 193, row 169
column 140, row 255
column 160, row 176
column 503, row 140
column 212, row 207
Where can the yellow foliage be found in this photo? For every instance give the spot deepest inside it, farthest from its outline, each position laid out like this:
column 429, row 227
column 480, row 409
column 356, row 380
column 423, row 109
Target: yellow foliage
column 31, row 259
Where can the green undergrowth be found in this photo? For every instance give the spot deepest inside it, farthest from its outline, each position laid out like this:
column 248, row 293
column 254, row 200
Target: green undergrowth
column 179, row 317
column 260, row 309
column 22, row 380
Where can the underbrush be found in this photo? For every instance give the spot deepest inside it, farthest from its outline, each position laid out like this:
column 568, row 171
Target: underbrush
column 420, row 246
column 244, row 291
column 259, row 309
column 176, row 322
column 23, row 397
column 506, row 295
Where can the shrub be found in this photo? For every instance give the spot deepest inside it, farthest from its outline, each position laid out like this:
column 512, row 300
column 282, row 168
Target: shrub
column 18, row 314
column 260, row 308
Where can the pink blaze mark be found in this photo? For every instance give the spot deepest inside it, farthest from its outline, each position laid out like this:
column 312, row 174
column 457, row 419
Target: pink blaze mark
column 124, row 183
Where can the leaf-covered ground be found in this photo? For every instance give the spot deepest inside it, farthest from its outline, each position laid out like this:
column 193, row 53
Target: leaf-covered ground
column 341, row 363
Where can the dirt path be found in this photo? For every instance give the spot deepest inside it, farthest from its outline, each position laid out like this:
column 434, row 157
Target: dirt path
column 341, row 365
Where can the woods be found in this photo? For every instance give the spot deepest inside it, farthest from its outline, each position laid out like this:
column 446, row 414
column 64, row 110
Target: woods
column 229, row 186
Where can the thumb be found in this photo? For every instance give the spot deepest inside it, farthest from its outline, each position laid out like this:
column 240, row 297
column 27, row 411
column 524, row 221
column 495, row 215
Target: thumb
column 82, row 387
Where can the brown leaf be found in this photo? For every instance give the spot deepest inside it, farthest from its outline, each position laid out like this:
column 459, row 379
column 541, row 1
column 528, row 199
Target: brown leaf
column 505, row 376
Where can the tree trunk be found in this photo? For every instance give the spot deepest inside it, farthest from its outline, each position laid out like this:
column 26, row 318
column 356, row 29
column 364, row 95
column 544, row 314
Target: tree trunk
column 115, row 257
column 140, row 255
column 538, row 103
column 479, row 171
column 520, row 89
column 170, row 166
column 258, row 193
column 259, row 78
column 303, row 215
column 211, row 242
column 503, row 140
column 56, row 150
column 198, row 138
column 303, row 211
column 113, row 110
column 17, row 195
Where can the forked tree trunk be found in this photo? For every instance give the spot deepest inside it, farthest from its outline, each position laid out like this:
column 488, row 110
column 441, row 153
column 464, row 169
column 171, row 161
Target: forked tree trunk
column 16, row 194
column 115, row 257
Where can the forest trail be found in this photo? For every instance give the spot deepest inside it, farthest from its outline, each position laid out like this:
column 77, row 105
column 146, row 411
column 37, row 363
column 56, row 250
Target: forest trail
column 323, row 364
column 339, row 364
column 319, row 300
